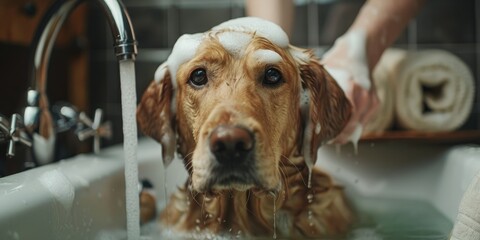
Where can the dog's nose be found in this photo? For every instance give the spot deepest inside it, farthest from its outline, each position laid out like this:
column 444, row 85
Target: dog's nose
column 231, row 145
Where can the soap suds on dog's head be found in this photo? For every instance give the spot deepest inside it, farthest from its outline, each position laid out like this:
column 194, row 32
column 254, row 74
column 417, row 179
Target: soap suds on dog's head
column 183, row 50
column 160, row 72
column 234, row 35
column 267, row 56
column 260, row 27
column 235, row 42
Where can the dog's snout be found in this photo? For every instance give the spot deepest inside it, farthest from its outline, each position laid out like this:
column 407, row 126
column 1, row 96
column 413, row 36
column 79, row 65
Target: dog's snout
column 231, row 145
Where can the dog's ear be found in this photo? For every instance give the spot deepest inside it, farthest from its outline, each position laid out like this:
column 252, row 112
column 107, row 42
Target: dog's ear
column 325, row 108
column 155, row 115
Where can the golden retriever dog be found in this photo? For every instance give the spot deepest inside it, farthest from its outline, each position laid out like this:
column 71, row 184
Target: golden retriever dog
column 247, row 112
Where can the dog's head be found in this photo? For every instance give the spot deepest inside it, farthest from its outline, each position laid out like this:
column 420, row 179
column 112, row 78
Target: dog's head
column 235, row 100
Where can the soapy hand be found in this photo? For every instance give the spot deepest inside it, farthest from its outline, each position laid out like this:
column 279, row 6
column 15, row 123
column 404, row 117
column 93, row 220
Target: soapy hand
column 347, row 63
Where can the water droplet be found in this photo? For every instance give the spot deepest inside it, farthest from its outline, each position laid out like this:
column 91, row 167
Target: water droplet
column 310, row 198
column 165, row 198
column 357, row 133
column 274, row 216
column 309, row 185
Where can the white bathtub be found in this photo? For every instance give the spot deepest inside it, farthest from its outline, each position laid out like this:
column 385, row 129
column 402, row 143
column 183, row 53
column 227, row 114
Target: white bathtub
column 80, row 198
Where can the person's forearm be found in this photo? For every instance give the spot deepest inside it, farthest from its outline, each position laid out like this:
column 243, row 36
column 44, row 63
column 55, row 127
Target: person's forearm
column 278, row 11
column 383, row 21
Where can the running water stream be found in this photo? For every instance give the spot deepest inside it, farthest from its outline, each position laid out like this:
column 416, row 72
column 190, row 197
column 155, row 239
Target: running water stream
column 129, row 98
column 309, row 184
column 274, row 196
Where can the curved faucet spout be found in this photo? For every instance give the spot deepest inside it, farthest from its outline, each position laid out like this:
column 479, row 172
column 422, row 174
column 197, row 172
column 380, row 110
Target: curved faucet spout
column 36, row 116
column 125, row 45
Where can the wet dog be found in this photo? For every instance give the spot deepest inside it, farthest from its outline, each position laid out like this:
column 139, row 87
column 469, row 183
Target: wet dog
column 247, row 111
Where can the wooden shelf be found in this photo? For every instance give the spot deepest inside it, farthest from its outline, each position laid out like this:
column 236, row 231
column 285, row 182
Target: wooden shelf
column 463, row 136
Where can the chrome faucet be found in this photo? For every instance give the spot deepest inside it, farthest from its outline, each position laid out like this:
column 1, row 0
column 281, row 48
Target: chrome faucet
column 37, row 116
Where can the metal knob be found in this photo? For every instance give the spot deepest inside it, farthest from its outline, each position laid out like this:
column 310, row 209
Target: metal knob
column 66, row 116
column 13, row 132
column 4, row 129
column 95, row 129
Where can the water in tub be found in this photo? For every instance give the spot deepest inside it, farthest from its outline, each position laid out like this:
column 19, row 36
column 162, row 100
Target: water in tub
column 377, row 219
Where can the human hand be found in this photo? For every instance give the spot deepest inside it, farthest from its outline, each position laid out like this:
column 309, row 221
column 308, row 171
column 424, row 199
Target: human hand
column 347, row 63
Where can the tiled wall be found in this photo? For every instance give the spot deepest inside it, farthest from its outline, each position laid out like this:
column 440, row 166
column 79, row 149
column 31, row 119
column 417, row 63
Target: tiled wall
column 443, row 24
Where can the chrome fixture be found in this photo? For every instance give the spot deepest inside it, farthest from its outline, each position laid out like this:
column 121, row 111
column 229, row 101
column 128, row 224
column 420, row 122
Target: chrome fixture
column 38, row 118
column 13, row 132
column 95, row 129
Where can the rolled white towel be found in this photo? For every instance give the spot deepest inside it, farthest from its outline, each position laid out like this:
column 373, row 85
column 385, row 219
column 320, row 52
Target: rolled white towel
column 384, row 80
column 434, row 91
column 467, row 225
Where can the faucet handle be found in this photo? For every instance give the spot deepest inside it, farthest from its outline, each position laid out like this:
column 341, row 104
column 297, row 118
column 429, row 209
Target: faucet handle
column 66, row 116
column 4, row 129
column 13, row 131
column 95, row 129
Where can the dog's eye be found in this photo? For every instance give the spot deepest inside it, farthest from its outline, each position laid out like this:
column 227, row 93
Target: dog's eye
column 198, row 77
column 272, row 77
